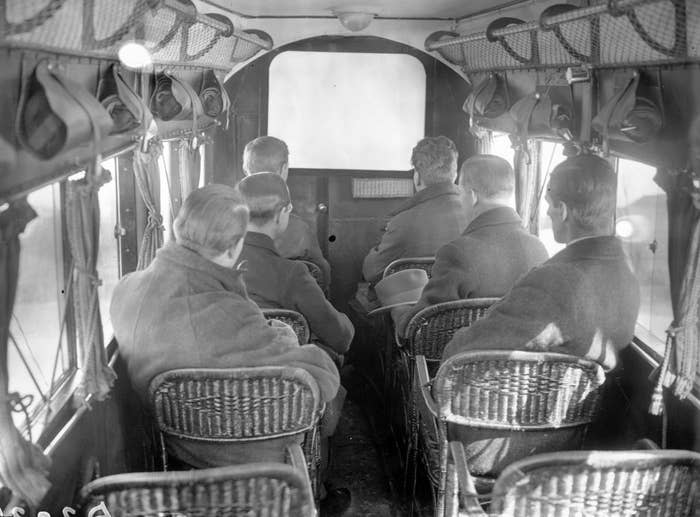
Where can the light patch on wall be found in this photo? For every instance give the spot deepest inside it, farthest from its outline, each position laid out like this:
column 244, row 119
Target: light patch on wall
column 347, row 110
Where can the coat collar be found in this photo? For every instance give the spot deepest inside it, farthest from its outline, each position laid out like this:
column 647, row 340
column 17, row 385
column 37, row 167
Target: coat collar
column 494, row 217
column 445, row 188
column 600, row 248
column 230, row 279
column 260, row 240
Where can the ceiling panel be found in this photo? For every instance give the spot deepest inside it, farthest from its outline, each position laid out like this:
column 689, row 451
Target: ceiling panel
column 384, row 8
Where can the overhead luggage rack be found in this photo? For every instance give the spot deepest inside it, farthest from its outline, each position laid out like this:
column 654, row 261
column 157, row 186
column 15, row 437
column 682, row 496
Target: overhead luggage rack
column 172, row 31
column 612, row 33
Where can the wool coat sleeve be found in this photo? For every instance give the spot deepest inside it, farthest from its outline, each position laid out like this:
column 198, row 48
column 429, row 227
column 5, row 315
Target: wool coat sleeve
column 391, row 247
column 300, row 242
column 332, row 327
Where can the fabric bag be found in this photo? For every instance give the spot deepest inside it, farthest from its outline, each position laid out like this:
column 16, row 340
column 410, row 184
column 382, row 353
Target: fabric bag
column 125, row 106
column 538, row 116
column 213, row 96
column 174, row 99
column 487, row 106
column 56, row 113
column 632, row 114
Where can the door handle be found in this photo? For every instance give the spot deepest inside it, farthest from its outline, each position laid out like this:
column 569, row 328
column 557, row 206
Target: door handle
column 322, row 208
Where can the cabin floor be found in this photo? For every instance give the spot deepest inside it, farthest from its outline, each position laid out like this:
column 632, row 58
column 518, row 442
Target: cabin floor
column 366, row 455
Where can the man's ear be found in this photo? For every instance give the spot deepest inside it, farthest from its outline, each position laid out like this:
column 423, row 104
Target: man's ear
column 564, row 210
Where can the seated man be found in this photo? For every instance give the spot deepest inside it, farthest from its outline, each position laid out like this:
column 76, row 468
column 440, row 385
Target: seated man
column 431, row 218
column 584, row 300
column 276, row 282
column 298, row 241
column 189, row 309
column 493, row 252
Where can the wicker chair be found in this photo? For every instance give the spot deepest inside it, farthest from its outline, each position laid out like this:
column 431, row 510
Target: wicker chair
column 292, row 318
column 239, row 405
column 397, row 265
column 256, row 489
column 317, row 273
column 522, row 402
column 576, row 483
column 427, row 334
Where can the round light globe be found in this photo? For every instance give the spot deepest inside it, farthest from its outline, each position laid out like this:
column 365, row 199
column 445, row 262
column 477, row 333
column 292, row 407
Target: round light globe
column 134, row 55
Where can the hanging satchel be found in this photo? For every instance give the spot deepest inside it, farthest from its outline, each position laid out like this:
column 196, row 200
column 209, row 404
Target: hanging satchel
column 215, row 99
column 487, row 106
column 631, row 115
column 538, row 116
column 125, row 106
column 174, row 99
column 56, row 113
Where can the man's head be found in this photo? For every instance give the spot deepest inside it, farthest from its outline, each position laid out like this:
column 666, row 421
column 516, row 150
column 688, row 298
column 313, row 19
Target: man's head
column 581, row 198
column 488, row 180
column 212, row 221
column 266, row 154
column 268, row 200
column 434, row 160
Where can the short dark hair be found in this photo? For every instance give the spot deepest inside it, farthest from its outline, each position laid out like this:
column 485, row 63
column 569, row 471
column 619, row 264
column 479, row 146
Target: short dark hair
column 435, row 160
column 587, row 185
column 265, row 193
column 488, row 175
column 265, row 154
column 211, row 220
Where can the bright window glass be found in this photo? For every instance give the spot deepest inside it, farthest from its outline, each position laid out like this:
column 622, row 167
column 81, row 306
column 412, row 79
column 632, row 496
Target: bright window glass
column 550, row 156
column 503, row 147
column 642, row 224
column 108, row 256
column 347, row 110
column 166, row 206
column 37, row 315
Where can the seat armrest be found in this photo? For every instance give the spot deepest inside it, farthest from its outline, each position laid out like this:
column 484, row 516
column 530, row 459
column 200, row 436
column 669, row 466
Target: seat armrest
column 424, row 384
column 646, row 444
column 466, row 491
column 295, row 457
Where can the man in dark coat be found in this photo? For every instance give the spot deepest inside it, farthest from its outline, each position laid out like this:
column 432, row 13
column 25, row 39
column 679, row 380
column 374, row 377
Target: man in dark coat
column 433, row 217
column 276, row 282
column 189, row 309
column 299, row 240
column 493, row 252
column 584, row 300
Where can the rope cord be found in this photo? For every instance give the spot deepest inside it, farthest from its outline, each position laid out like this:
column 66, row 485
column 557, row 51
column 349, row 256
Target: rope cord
column 36, row 21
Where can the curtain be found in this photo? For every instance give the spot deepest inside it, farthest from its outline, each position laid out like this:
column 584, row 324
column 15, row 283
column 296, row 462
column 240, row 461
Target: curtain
column 527, row 185
column 83, row 228
column 147, row 175
column 682, row 356
column 189, row 159
column 484, row 141
column 23, row 467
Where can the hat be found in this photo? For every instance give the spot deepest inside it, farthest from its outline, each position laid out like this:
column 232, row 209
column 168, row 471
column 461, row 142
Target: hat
column 401, row 288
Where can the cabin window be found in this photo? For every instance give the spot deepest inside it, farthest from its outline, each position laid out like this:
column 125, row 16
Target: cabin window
column 502, row 146
column 551, row 155
column 108, row 263
column 39, row 304
column 642, row 225
column 341, row 110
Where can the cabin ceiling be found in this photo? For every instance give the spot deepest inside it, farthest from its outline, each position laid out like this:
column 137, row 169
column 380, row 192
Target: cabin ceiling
column 448, row 9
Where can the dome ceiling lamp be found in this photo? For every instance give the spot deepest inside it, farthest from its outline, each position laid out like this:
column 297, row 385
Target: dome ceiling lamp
column 354, row 20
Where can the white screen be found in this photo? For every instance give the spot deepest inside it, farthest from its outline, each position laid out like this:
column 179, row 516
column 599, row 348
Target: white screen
column 341, row 110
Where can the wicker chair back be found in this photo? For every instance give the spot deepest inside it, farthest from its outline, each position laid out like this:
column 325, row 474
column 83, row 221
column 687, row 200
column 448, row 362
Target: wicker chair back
column 432, row 328
column 502, row 389
column 257, row 489
column 397, row 265
column 235, row 404
column 292, row 318
column 642, row 483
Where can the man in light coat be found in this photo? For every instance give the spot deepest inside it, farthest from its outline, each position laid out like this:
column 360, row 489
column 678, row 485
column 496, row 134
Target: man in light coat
column 190, row 309
column 493, row 252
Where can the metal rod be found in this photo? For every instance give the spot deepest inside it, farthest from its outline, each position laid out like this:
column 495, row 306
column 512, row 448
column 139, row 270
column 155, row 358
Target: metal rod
column 198, row 18
column 578, row 14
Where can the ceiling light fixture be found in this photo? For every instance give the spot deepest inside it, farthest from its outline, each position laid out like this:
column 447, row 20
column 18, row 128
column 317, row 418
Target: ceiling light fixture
column 134, row 55
column 354, row 20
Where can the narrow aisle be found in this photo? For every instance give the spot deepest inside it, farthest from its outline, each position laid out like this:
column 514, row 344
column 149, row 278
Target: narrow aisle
column 365, row 458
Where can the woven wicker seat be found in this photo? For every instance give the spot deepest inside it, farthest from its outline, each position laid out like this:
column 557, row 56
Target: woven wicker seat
column 427, row 334
column 511, row 396
column 239, row 405
column 317, row 273
column 584, row 483
column 292, row 318
column 257, row 489
column 397, row 265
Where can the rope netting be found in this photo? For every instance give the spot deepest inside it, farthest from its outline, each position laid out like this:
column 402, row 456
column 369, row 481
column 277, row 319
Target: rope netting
column 99, row 28
column 610, row 33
